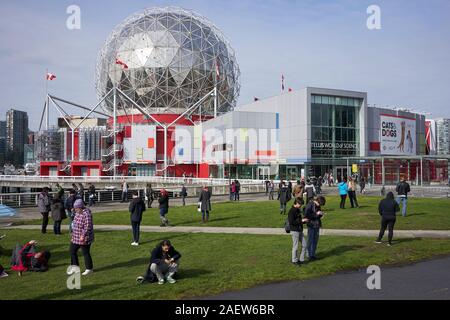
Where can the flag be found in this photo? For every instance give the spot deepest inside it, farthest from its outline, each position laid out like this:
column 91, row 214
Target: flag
column 255, row 99
column 50, row 76
column 290, row 89
column 217, row 70
column 118, row 61
column 282, row 82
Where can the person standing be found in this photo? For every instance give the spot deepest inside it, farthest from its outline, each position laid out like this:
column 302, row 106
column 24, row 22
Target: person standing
column 92, row 195
column 387, row 208
column 124, row 191
column 68, row 205
column 266, row 184
column 298, row 191
column 319, row 185
column 284, row 197
column 81, row 191
column 82, row 238
column 351, row 186
column 271, row 189
column 290, row 187
column 183, row 194
column 43, row 202
column 296, row 229
column 149, row 195
column 310, row 190
column 402, row 190
column 343, row 191
column 205, row 203
column 136, row 208
column 232, row 190
column 314, row 214
column 238, row 190
column 362, row 185
column 58, row 213
column 163, row 201
column 60, row 190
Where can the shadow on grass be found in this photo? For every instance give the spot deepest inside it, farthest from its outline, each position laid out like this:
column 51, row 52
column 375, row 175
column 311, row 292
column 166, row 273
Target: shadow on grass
column 74, row 294
column 339, row 250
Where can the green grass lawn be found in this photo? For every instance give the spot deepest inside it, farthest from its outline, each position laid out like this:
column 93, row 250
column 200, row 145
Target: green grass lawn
column 211, row 263
column 425, row 214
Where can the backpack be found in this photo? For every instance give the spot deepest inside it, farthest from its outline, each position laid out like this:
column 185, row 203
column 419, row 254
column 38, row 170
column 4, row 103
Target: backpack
column 287, row 226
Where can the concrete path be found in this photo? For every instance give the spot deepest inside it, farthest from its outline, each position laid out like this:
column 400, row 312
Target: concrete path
column 424, row 280
column 261, row 231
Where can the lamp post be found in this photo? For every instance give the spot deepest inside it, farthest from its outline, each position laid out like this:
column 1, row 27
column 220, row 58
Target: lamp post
column 229, row 149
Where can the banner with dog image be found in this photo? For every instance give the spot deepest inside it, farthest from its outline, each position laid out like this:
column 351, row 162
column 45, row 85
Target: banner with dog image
column 397, row 135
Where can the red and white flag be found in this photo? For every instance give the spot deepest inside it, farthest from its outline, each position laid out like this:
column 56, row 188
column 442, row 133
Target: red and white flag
column 50, row 76
column 290, row 90
column 123, row 64
column 282, row 82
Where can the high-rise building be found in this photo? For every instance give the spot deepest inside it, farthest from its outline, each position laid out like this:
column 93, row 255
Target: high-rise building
column 16, row 135
column 2, row 142
column 443, row 136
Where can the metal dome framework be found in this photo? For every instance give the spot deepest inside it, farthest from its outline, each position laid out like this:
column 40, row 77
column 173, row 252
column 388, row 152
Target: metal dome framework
column 174, row 56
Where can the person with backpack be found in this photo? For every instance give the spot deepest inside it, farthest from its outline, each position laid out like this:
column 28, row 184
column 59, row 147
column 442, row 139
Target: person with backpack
column 402, row 190
column 164, row 262
column 310, row 191
column 205, row 203
column 183, row 194
column 296, row 221
column 58, row 214
column 343, row 191
column 136, row 208
column 351, row 185
column 163, row 201
column 314, row 214
column 43, row 203
column 284, row 196
column 387, row 208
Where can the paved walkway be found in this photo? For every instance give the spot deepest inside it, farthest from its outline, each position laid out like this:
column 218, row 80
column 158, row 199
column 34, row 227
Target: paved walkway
column 261, row 231
column 424, row 280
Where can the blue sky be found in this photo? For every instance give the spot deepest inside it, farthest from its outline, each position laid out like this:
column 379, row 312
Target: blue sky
column 314, row 43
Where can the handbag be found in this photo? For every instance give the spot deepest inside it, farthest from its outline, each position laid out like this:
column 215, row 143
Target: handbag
column 287, row 227
column 199, row 207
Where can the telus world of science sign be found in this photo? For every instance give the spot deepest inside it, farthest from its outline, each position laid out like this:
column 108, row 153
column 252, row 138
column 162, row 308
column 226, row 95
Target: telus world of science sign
column 397, row 135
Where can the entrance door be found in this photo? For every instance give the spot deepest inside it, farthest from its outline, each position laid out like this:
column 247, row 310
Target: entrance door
column 263, row 173
column 291, row 172
column 341, row 172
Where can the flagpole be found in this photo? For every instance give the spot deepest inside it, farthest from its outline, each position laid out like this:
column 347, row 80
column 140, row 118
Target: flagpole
column 46, row 100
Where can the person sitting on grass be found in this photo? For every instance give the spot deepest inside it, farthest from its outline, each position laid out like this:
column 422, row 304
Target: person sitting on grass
column 2, row 270
column 28, row 258
column 163, row 264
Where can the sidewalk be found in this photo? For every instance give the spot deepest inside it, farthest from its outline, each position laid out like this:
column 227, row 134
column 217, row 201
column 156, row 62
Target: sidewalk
column 440, row 234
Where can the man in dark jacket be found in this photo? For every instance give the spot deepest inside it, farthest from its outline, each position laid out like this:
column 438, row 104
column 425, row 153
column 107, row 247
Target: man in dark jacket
column 136, row 208
column 163, row 201
column 164, row 263
column 402, row 194
column 387, row 208
column 44, row 202
column 183, row 194
column 205, row 203
column 68, row 205
column 237, row 190
column 284, row 196
column 296, row 230
column 314, row 214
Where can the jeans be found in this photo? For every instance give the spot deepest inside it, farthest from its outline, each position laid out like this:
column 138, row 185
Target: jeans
column 162, row 217
column 388, row 222
column 44, row 222
column 57, row 227
column 296, row 238
column 404, row 202
column 236, row 196
column 135, row 226
column 342, row 204
column 231, row 196
column 70, row 218
column 91, row 201
column 184, row 200
column 124, row 196
column 282, row 207
column 313, row 240
column 205, row 214
column 86, row 250
column 164, row 269
column 352, row 197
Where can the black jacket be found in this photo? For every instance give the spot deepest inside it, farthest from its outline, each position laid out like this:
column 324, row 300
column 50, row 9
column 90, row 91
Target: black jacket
column 310, row 214
column 158, row 256
column 68, row 204
column 284, row 195
column 164, row 202
column 136, row 208
column 388, row 207
column 183, row 192
column 403, row 189
column 295, row 219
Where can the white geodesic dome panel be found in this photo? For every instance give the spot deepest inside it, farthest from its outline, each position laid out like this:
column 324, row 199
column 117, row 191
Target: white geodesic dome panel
column 171, row 54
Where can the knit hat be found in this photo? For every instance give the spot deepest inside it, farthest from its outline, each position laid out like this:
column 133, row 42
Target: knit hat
column 78, row 204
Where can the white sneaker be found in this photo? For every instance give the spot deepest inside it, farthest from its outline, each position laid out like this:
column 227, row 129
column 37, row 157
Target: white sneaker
column 161, row 281
column 72, row 269
column 3, row 274
column 88, row 271
column 134, row 243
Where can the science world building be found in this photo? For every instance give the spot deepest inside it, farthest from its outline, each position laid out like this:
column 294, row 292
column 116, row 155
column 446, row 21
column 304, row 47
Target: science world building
column 168, row 83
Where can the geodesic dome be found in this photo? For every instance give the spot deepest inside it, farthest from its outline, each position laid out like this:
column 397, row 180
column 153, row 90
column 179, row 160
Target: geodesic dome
column 173, row 56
